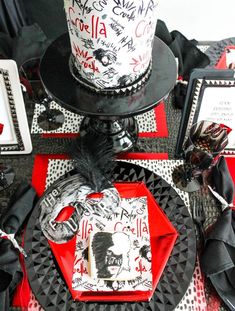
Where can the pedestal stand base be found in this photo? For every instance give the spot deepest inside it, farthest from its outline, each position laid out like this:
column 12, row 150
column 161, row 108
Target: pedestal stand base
column 56, row 78
column 123, row 132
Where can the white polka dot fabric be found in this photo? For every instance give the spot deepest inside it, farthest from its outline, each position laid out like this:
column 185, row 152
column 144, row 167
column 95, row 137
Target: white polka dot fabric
column 146, row 121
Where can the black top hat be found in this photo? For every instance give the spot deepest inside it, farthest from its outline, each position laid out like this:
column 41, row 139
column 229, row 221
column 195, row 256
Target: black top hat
column 63, row 87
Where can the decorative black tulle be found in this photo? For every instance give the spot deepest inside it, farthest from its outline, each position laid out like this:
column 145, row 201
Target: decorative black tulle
column 93, row 158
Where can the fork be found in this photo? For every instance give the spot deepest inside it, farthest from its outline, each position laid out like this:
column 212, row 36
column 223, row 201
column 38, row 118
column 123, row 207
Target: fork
column 199, row 218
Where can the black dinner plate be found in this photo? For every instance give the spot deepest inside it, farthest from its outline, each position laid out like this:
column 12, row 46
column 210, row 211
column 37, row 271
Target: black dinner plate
column 47, row 282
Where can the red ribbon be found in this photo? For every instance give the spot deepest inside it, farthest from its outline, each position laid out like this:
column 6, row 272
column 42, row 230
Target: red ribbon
column 22, row 292
column 1, row 128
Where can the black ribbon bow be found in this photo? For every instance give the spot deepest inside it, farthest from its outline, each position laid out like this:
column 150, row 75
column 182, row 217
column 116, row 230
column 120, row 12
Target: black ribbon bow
column 188, row 55
column 218, row 257
column 10, row 271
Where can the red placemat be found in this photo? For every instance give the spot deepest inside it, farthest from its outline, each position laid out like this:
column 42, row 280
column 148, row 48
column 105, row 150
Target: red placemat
column 41, row 165
column 162, row 233
column 194, row 298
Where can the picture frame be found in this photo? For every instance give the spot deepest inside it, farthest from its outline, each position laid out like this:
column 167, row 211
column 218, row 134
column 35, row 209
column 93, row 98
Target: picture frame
column 15, row 137
column 210, row 96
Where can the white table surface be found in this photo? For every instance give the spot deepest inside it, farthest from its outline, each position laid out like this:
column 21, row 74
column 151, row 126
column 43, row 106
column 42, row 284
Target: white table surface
column 202, row 20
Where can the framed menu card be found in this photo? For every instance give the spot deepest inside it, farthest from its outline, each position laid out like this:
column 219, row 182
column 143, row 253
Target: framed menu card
column 15, row 136
column 210, row 96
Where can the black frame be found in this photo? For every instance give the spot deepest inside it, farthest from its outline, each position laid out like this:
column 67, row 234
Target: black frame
column 19, row 146
column 199, row 80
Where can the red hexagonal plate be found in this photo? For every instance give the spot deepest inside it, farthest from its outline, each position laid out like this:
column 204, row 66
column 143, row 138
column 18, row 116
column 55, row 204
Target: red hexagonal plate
column 162, row 238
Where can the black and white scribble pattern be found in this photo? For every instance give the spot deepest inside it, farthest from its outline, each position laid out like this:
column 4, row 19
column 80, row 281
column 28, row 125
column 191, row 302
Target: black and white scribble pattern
column 72, row 192
column 105, row 57
column 116, row 258
column 109, row 33
column 145, row 252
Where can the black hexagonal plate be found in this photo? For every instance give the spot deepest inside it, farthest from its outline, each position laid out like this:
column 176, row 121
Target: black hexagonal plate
column 47, row 281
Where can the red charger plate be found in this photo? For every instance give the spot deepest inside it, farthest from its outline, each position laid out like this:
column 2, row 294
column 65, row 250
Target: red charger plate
column 162, row 238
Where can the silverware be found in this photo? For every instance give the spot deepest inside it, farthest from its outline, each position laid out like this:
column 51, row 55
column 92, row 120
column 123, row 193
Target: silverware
column 199, row 217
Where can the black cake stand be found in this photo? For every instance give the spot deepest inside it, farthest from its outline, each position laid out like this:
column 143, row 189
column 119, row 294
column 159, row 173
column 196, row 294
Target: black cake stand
column 112, row 115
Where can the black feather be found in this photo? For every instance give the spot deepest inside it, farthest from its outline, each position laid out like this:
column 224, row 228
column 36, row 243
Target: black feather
column 93, row 158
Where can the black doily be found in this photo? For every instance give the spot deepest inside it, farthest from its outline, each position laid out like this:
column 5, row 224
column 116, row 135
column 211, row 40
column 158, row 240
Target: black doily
column 47, row 281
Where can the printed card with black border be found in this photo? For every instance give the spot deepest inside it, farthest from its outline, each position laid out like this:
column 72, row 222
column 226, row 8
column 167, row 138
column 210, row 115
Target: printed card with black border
column 15, row 137
column 210, row 96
